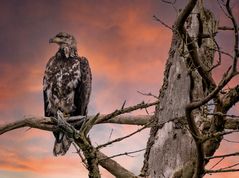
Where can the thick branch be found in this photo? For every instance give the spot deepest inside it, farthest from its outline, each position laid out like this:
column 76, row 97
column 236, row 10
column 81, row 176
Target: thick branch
column 43, row 123
column 127, row 119
column 128, row 109
column 113, row 167
column 230, row 98
column 236, row 52
column 179, row 24
column 46, row 123
column 199, row 145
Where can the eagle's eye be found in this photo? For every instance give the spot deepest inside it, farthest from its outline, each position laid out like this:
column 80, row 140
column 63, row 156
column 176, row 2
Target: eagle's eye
column 61, row 36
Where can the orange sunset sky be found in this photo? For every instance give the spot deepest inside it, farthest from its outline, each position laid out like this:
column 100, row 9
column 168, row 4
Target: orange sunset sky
column 127, row 51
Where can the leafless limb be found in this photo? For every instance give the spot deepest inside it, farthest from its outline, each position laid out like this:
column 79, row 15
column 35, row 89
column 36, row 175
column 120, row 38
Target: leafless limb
column 191, row 46
column 111, row 132
column 113, row 167
column 117, row 112
column 230, row 141
column 148, row 94
column 123, row 105
column 220, row 171
column 231, row 166
column 217, row 163
column 122, row 138
column 226, row 79
column 46, row 123
column 126, row 153
column 169, row 2
column 172, row 3
column 221, row 51
column 223, row 156
column 236, row 51
column 216, row 135
column 164, row 24
column 79, row 153
column 127, row 119
column 226, row 28
column 221, row 7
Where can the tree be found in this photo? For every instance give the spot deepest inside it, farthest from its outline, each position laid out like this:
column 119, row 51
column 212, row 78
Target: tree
column 191, row 110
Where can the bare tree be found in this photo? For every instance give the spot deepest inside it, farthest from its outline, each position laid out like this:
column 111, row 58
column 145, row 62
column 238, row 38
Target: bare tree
column 191, row 110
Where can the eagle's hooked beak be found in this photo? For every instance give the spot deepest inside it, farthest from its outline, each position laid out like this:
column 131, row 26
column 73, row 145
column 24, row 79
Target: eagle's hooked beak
column 55, row 40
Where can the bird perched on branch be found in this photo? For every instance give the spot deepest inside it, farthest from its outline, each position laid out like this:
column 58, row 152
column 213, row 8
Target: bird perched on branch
column 66, row 85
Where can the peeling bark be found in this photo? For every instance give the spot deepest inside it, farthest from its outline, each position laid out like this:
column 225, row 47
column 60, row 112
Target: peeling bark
column 171, row 150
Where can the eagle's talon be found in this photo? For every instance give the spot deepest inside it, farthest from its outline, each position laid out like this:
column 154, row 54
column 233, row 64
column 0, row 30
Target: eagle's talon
column 66, row 114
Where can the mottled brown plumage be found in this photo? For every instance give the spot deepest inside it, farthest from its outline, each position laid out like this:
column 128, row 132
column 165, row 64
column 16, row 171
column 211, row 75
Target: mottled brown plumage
column 66, row 85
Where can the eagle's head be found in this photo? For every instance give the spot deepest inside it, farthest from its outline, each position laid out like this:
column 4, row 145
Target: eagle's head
column 67, row 44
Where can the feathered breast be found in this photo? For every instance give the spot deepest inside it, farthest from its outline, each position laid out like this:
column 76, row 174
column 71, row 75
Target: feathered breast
column 60, row 81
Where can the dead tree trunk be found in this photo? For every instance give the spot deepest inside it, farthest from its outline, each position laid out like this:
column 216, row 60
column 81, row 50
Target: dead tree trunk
column 171, row 150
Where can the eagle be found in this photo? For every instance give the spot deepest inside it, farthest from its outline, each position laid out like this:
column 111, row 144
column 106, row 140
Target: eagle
column 66, row 86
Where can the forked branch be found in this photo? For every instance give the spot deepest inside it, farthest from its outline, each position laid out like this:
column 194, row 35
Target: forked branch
column 91, row 154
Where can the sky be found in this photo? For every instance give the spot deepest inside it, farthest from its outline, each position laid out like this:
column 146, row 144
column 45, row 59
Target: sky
column 127, row 50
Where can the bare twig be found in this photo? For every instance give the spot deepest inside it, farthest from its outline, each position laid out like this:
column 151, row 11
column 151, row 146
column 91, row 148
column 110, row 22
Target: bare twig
column 141, row 105
column 148, row 94
column 169, row 2
column 221, row 7
column 217, row 163
column 164, row 24
column 223, row 156
column 220, row 171
column 122, row 138
column 219, row 55
column 123, row 105
column 217, row 134
column 226, row 28
column 172, row 3
column 79, row 153
column 110, row 134
column 221, row 51
column 231, row 166
column 125, row 154
column 230, row 141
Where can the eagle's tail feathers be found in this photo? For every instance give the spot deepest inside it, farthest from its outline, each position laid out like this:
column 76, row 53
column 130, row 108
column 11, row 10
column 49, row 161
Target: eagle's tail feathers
column 60, row 148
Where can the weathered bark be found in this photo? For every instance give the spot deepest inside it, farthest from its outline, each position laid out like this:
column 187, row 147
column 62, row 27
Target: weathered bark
column 171, row 150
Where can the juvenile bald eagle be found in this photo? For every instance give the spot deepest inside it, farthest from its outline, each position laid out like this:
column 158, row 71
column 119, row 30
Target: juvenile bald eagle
column 66, row 85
